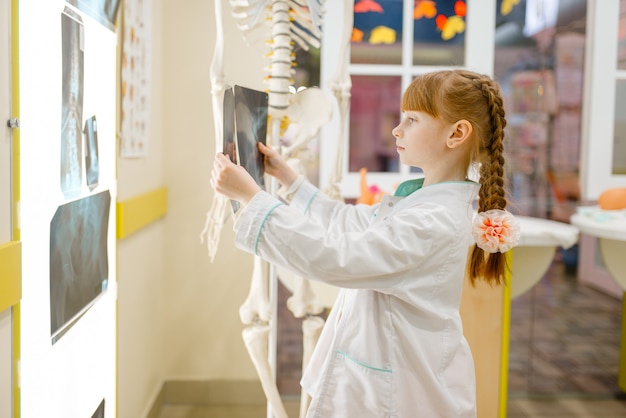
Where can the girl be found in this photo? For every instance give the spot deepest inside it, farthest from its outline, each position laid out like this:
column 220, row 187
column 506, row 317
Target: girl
column 393, row 345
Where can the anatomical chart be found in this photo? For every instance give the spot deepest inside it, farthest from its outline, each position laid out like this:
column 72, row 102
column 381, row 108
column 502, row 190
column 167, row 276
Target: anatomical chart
column 135, row 79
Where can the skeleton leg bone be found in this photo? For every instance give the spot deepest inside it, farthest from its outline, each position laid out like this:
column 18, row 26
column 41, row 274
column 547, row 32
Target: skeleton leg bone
column 304, row 301
column 256, row 339
column 311, row 330
column 257, row 305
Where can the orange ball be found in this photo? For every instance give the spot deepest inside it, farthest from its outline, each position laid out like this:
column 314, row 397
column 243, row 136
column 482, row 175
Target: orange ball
column 613, row 199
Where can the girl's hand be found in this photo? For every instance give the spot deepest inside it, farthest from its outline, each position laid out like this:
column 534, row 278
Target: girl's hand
column 276, row 166
column 232, row 180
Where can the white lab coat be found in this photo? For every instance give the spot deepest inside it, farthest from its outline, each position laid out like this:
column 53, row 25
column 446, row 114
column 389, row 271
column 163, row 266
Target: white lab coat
column 393, row 345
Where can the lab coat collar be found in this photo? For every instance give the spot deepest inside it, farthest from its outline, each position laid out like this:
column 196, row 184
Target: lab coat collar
column 409, row 186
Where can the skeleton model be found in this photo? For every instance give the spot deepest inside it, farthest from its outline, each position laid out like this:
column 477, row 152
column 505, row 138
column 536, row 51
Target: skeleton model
column 282, row 23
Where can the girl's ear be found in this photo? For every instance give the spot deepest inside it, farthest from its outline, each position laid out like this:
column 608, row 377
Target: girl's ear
column 460, row 133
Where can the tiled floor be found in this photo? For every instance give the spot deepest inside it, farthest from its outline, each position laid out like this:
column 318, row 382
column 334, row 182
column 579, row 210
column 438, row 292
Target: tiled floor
column 237, row 411
column 565, row 338
column 564, row 356
column 560, row 407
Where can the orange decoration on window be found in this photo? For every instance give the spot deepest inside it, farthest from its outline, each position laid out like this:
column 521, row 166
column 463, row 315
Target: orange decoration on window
column 453, row 26
column 424, row 8
column 440, row 21
column 460, row 8
column 382, row 35
column 507, row 6
column 369, row 194
column 357, row 35
column 364, row 6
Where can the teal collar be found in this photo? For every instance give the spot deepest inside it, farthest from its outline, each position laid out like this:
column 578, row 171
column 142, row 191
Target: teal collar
column 407, row 187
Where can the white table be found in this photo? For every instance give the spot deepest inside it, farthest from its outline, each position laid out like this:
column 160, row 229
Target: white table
column 609, row 227
column 539, row 240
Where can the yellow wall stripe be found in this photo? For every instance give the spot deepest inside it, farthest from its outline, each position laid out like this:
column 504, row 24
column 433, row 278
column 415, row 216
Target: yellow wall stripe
column 506, row 335
column 138, row 212
column 10, row 274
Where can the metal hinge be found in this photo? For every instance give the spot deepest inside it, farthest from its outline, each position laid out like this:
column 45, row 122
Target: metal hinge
column 13, row 123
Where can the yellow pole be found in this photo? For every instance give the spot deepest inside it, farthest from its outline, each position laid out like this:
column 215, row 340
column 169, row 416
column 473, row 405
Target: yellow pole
column 506, row 332
column 622, row 355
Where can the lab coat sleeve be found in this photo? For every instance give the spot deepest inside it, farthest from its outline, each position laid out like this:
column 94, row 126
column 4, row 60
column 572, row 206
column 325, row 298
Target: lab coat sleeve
column 380, row 257
column 310, row 201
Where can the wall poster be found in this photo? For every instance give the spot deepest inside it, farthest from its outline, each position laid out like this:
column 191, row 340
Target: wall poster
column 135, row 79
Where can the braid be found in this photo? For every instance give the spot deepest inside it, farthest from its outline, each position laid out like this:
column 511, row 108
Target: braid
column 491, row 194
column 492, row 189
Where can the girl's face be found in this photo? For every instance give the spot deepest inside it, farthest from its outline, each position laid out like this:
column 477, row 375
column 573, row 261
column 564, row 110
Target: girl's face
column 421, row 139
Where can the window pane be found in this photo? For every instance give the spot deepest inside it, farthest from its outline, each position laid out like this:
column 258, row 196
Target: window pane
column 621, row 40
column 377, row 33
column 439, row 32
column 539, row 62
column 374, row 112
column 619, row 137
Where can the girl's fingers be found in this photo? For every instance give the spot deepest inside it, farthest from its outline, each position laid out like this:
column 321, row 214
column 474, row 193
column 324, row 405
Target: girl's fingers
column 265, row 150
column 221, row 159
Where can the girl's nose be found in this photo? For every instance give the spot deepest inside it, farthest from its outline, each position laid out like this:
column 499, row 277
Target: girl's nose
column 396, row 132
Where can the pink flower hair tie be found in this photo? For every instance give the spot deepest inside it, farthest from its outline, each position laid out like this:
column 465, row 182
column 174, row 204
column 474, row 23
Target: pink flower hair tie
column 495, row 230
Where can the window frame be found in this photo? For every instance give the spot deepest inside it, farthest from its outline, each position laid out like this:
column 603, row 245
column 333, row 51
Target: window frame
column 480, row 31
column 598, row 111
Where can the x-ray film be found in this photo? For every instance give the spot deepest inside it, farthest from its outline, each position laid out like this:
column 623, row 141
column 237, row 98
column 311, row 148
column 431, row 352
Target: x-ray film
column 245, row 125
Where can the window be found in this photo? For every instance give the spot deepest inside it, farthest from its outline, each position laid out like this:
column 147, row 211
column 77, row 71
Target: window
column 619, row 126
column 392, row 41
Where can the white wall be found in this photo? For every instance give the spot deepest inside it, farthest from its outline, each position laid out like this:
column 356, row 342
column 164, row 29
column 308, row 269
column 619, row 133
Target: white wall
column 178, row 312
column 201, row 319
column 141, row 260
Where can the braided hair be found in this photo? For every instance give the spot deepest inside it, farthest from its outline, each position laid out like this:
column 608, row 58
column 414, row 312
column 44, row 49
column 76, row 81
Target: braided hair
column 453, row 95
